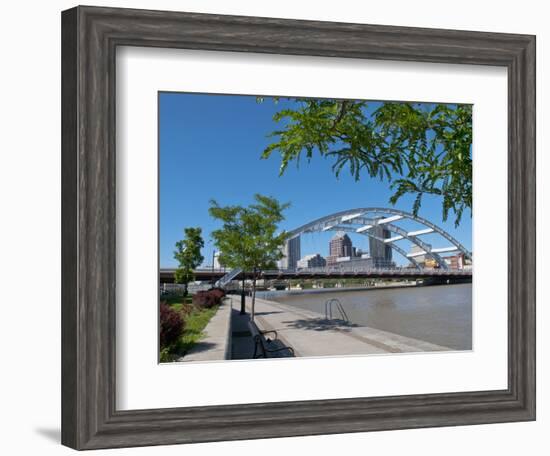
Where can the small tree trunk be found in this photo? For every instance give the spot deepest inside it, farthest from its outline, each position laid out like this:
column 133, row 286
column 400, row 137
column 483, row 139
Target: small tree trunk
column 252, row 309
column 185, row 288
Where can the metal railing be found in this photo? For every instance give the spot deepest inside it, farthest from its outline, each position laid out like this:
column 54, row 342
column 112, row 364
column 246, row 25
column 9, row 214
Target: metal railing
column 334, row 272
column 386, row 271
column 329, row 303
column 228, row 277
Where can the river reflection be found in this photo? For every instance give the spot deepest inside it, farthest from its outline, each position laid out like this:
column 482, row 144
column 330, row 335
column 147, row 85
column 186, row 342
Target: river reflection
column 438, row 314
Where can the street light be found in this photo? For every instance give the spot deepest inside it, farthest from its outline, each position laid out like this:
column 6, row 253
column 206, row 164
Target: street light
column 213, row 279
column 213, row 257
column 243, row 298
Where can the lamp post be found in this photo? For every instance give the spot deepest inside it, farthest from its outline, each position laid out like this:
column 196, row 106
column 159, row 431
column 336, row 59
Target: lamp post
column 243, row 298
column 213, row 258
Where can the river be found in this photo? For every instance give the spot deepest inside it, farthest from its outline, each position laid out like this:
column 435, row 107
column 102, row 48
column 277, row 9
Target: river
column 439, row 314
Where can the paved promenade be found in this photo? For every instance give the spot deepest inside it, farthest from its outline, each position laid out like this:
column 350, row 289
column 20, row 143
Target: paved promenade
column 310, row 334
column 227, row 335
column 242, row 344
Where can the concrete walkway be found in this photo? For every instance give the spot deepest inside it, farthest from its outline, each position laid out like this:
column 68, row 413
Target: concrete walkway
column 242, row 344
column 216, row 345
column 310, row 334
column 227, row 335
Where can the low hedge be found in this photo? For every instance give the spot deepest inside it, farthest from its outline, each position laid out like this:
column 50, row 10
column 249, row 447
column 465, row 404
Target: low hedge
column 171, row 325
column 209, row 298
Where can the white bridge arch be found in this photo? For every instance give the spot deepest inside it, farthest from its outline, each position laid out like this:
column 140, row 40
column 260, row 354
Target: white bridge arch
column 361, row 220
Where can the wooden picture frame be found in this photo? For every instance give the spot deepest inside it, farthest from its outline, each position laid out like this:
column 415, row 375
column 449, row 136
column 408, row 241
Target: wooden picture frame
column 90, row 36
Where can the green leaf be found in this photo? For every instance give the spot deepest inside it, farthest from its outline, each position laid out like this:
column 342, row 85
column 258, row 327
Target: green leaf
column 421, row 148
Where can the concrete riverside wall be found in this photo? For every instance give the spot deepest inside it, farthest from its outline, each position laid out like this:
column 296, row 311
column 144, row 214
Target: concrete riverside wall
column 216, row 345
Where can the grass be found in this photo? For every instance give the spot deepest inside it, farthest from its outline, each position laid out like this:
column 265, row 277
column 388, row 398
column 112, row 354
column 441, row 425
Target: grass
column 177, row 300
column 195, row 319
column 195, row 322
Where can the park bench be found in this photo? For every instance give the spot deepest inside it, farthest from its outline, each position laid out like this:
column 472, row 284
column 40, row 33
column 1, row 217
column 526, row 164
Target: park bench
column 264, row 347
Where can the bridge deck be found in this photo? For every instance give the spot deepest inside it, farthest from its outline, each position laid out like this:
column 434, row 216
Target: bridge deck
column 167, row 275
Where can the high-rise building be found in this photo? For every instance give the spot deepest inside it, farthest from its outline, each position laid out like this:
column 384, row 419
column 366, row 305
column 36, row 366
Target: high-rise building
column 340, row 245
column 380, row 252
column 291, row 253
column 353, row 263
column 311, row 261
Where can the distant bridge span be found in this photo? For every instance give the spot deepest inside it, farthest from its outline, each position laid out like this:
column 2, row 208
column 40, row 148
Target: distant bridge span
column 167, row 274
column 362, row 220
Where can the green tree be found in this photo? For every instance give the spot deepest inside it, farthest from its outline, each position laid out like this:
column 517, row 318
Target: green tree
column 248, row 238
column 419, row 148
column 188, row 254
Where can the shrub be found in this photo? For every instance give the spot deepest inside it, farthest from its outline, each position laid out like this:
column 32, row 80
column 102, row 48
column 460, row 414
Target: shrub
column 219, row 293
column 166, row 356
column 204, row 299
column 171, row 325
column 208, row 299
column 185, row 310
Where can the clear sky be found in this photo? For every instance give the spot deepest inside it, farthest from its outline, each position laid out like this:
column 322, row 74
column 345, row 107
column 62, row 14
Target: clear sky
column 210, row 147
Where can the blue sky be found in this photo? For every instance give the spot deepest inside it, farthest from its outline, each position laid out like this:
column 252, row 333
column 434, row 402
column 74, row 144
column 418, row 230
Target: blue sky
column 210, row 147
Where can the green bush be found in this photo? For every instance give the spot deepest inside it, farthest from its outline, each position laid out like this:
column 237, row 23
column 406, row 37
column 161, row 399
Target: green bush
column 171, row 325
column 208, row 299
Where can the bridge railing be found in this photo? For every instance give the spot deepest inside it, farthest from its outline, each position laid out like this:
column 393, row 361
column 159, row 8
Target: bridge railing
column 374, row 271
column 227, row 278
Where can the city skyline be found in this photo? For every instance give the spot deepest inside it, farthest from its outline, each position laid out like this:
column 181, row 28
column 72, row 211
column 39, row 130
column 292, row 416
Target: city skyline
column 315, row 259
column 230, row 171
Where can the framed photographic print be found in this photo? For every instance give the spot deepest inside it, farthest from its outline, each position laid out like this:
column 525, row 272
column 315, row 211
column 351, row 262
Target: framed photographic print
column 315, row 227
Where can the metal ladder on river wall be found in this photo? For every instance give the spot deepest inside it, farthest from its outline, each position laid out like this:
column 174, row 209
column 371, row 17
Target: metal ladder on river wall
column 334, row 302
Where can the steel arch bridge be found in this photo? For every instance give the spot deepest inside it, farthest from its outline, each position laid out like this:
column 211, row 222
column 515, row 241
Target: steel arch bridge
column 362, row 220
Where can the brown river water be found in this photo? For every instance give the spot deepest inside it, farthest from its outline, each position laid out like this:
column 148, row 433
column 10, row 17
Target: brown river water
column 439, row 314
